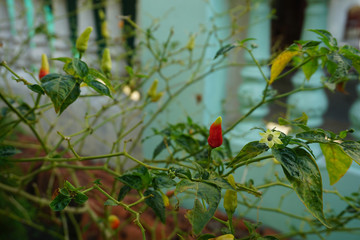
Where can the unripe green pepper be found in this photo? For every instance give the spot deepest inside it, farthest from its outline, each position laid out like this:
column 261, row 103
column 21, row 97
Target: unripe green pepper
column 230, row 201
column 230, row 198
column 82, row 41
column 106, row 61
column 153, row 88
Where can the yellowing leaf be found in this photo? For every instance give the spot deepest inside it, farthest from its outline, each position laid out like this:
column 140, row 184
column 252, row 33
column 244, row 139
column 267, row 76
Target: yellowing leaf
column 337, row 161
column 280, row 63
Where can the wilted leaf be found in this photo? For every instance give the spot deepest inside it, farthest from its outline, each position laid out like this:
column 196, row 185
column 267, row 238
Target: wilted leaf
column 337, row 161
column 280, row 63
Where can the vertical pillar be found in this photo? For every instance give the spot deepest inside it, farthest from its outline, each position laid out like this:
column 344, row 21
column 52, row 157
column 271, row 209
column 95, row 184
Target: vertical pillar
column 214, row 84
column 313, row 103
column 252, row 86
column 354, row 114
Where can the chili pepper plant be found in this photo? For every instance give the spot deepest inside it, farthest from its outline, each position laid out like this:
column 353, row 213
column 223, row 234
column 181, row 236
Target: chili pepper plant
column 191, row 162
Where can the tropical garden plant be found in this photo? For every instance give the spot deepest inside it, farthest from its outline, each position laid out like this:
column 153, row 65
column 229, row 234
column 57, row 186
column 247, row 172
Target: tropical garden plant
column 190, row 162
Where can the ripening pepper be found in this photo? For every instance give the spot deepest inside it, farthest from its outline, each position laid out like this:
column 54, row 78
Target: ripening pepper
column 44, row 70
column 106, row 61
column 215, row 138
column 165, row 199
column 82, row 41
column 114, row 221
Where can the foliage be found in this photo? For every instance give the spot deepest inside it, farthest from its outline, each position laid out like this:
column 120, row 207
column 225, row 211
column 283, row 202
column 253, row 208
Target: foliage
column 182, row 159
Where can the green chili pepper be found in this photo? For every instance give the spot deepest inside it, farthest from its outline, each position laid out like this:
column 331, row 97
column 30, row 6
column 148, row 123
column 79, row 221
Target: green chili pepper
column 230, row 198
column 82, row 41
column 106, row 62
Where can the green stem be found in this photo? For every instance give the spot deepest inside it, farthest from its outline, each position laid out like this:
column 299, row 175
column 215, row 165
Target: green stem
column 18, row 78
column 30, row 125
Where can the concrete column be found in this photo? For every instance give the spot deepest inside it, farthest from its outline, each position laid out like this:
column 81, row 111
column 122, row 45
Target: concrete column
column 313, row 103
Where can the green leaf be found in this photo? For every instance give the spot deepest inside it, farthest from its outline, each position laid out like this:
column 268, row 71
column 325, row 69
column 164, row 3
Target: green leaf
column 96, row 74
column 69, row 68
column 36, row 88
column 337, row 161
column 62, row 59
column 352, row 149
column 219, row 182
column 304, row 175
column 224, row 50
column 313, row 136
column 156, row 202
column 326, row 37
column 60, row 202
column 65, row 192
column 163, row 181
column 110, row 202
column 200, row 215
column 80, row 198
column 299, row 122
column 287, row 157
column 123, row 191
column 353, row 54
column 249, row 151
column 80, row 67
column 310, row 44
column 63, row 90
column 139, row 178
column 246, row 40
column 69, row 186
column 182, row 172
column 340, row 67
column 310, row 68
column 97, row 85
column 159, row 148
column 7, row 151
column 188, row 143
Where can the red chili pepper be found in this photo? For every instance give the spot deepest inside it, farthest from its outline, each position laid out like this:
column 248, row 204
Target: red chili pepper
column 215, row 135
column 44, row 70
column 114, row 221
